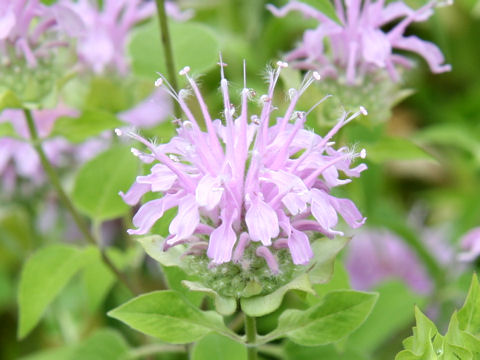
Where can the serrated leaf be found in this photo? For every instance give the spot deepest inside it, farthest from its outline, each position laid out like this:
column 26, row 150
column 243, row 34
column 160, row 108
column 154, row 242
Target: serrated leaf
column 43, row 276
column 217, row 347
column 153, row 246
column 266, row 304
column 469, row 314
column 96, row 186
column 90, row 123
column 168, row 316
column 224, row 305
column 338, row 315
column 194, row 45
column 395, row 148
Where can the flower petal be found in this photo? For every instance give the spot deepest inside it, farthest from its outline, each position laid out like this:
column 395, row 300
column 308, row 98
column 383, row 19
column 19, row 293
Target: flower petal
column 299, row 247
column 135, row 193
column 222, row 240
column 187, row 219
column 209, row 192
column 349, row 211
column 262, row 222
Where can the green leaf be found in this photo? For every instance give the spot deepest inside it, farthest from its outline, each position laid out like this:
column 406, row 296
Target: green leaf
column 168, row 316
column 326, row 7
column 217, row 347
column 395, row 303
column 266, row 304
column 103, row 344
column 8, row 100
column 96, row 187
column 469, row 314
column 90, row 123
column 326, row 352
column 325, row 251
column 175, row 277
column 339, row 281
column 224, row 305
column 194, row 45
column 395, row 148
column 338, row 315
column 153, row 246
column 98, row 278
column 43, row 276
column 7, row 130
column 421, row 345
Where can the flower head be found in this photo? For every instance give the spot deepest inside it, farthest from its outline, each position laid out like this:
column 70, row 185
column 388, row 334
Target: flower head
column 470, row 243
column 250, row 183
column 359, row 44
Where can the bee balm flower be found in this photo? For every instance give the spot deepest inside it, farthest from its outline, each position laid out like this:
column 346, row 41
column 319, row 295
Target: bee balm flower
column 255, row 183
column 360, row 44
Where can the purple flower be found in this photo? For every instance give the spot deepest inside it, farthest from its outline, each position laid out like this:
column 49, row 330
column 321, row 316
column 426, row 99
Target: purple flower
column 359, row 44
column 102, row 45
column 245, row 181
column 17, row 155
column 28, row 30
column 375, row 255
column 470, row 242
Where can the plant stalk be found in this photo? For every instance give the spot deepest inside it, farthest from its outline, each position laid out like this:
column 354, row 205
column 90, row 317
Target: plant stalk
column 79, row 221
column 251, row 333
column 167, row 50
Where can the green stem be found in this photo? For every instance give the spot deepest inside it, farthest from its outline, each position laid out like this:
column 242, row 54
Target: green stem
column 54, row 179
column 251, row 333
column 167, row 49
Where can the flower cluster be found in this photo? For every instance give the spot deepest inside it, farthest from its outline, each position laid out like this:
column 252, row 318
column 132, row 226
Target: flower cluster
column 359, row 44
column 247, row 180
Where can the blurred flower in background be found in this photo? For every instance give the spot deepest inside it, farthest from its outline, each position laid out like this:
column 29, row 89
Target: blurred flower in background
column 377, row 255
column 359, row 44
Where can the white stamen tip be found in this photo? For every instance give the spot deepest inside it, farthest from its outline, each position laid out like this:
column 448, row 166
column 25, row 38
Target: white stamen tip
column 363, row 111
column 135, row 152
column 282, row 64
column 158, row 82
column 118, row 132
column 363, row 153
column 316, row 75
column 264, row 98
column 185, row 70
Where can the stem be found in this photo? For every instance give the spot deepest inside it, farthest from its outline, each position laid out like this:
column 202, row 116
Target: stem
column 167, row 49
column 54, row 179
column 251, row 332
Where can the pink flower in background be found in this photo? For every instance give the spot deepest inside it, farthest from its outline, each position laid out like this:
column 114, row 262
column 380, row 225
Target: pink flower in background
column 17, row 155
column 29, row 30
column 103, row 43
column 470, row 243
column 376, row 255
column 360, row 43
column 246, row 180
